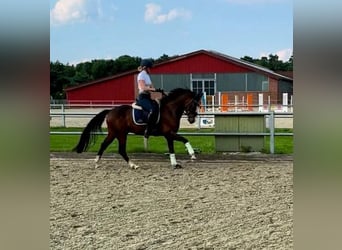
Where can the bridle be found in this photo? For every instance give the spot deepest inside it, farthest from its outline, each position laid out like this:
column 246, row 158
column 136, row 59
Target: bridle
column 188, row 106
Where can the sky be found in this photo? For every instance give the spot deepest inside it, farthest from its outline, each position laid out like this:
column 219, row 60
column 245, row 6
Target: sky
column 84, row 30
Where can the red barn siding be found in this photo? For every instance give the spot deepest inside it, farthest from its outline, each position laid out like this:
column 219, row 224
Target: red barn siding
column 199, row 63
column 122, row 88
column 117, row 90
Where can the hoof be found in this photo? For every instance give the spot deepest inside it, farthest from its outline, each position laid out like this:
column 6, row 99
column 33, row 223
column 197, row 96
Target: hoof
column 97, row 162
column 133, row 166
column 193, row 157
column 177, row 166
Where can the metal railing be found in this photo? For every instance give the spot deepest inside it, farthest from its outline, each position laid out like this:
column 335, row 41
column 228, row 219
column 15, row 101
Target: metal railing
column 269, row 116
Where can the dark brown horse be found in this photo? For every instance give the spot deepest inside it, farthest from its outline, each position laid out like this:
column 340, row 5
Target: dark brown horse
column 119, row 123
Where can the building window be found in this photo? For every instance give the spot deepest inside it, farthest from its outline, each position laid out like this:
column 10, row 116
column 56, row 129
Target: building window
column 201, row 85
column 265, row 86
column 209, row 87
column 197, row 86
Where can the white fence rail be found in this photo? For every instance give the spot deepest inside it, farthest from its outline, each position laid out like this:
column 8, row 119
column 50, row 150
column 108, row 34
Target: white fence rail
column 205, row 120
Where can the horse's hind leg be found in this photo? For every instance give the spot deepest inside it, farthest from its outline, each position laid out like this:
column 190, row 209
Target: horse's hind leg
column 106, row 142
column 122, row 151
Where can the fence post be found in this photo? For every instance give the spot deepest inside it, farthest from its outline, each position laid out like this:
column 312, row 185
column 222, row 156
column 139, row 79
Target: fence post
column 271, row 126
column 63, row 116
column 269, row 104
column 261, row 102
column 285, row 102
column 213, row 103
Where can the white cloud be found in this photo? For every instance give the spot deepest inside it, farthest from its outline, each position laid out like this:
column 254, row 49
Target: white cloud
column 153, row 14
column 68, row 11
column 283, row 55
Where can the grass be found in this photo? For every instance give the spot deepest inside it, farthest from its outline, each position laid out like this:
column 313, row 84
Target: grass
column 206, row 144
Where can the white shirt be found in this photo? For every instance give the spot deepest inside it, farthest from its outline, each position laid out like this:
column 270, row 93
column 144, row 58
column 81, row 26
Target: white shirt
column 145, row 77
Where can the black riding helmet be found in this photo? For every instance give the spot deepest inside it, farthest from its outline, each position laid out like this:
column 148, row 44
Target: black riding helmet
column 146, row 63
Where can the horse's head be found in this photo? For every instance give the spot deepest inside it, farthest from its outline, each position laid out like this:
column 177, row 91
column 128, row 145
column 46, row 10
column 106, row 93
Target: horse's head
column 191, row 107
column 183, row 101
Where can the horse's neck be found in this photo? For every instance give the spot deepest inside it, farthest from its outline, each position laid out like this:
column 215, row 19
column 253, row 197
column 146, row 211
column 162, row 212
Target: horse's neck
column 176, row 107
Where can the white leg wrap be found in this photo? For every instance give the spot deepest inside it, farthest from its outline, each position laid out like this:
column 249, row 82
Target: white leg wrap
column 189, row 148
column 173, row 159
column 132, row 165
column 97, row 160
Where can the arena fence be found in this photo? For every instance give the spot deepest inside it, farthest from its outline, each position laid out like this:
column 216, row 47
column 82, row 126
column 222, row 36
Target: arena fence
column 243, row 127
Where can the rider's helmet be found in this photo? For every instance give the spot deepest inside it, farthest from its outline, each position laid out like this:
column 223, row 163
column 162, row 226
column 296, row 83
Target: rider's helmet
column 146, row 63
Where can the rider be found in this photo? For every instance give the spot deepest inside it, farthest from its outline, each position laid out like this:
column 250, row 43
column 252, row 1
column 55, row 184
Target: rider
column 145, row 87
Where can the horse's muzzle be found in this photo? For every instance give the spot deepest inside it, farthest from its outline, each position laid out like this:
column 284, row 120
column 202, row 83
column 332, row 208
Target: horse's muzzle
column 191, row 120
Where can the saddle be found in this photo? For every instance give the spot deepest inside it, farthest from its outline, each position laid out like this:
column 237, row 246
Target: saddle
column 140, row 116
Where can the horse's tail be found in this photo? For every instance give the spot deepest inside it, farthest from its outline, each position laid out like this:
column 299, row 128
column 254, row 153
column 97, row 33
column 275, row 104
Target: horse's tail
column 88, row 135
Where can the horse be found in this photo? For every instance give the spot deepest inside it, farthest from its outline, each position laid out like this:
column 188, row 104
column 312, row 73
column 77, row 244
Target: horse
column 120, row 122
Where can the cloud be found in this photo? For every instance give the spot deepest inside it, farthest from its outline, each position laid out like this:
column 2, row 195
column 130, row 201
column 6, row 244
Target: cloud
column 153, row 14
column 66, row 11
column 283, row 55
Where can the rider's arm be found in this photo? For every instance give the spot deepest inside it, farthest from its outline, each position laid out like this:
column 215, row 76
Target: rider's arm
column 143, row 86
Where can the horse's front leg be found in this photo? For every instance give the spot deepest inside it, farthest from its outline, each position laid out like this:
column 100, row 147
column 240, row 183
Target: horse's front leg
column 175, row 137
column 190, row 150
column 187, row 144
column 173, row 160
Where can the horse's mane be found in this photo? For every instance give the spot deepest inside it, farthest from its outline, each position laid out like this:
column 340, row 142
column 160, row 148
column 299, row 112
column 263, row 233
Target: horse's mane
column 173, row 94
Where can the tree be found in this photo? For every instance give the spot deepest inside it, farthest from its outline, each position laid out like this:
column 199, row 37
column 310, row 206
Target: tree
column 125, row 63
column 248, row 59
column 163, row 58
column 59, row 78
column 271, row 62
column 99, row 69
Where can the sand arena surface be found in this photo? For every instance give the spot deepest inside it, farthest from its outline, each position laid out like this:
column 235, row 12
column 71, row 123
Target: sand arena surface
column 242, row 201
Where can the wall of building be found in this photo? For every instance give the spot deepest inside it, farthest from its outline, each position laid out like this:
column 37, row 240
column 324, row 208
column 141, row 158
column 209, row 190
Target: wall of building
column 120, row 90
column 230, row 77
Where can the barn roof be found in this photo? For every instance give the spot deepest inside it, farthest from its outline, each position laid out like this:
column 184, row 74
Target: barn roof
column 212, row 53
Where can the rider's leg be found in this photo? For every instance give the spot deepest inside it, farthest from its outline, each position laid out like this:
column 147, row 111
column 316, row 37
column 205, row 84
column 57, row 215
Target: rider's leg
column 146, row 103
column 150, row 124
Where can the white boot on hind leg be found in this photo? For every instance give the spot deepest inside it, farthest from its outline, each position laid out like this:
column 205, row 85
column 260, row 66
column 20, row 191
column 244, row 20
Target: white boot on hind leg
column 97, row 161
column 132, row 165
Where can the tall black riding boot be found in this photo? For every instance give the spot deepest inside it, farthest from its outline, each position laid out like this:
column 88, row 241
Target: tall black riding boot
column 150, row 125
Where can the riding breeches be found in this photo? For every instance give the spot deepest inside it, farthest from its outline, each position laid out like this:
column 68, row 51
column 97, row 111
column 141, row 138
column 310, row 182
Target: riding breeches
column 146, row 103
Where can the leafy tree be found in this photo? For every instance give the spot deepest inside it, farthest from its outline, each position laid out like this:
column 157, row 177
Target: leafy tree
column 271, row 62
column 59, row 78
column 126, row 63
column 248, row 59
column 99, row 69
column 163, row 58
column 84, row 70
